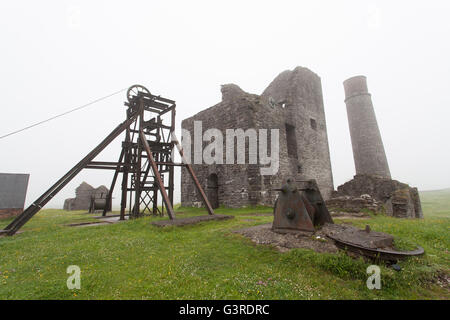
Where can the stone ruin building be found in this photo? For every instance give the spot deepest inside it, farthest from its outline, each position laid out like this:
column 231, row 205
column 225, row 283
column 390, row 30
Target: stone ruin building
column 373, row 178
column 83, row 195
column 13, row 191
column 293, row 104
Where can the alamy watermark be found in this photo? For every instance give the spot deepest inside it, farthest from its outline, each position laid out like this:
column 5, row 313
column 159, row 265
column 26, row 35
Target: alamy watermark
column 213, row 153
column 74, row 17
column 74, row 280
column 374, row 281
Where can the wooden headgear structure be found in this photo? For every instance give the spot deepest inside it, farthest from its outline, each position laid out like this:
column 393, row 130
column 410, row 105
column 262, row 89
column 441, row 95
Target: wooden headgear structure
column 146, row 161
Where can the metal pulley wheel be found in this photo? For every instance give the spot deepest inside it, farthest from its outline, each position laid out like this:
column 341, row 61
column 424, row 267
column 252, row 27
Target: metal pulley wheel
column 136, row 90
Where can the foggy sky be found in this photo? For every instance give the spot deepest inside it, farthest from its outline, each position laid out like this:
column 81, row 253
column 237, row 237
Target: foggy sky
column 57, row 55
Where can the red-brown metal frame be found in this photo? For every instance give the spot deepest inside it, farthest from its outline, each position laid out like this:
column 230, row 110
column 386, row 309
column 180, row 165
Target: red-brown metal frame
column 134, row 148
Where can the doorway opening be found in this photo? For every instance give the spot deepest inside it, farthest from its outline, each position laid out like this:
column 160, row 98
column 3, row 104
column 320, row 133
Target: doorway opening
column 213, row 190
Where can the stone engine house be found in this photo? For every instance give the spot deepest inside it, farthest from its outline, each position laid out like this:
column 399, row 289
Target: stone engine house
column 83, row 195
column 293, row 104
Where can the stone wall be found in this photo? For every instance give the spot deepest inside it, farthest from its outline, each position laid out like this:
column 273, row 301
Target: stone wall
column 354, row 204
column 404, row 203
column 234, row 189
column 8, row 213
column 399, row 199
column 300, row 91
column 293, row 99
column 83, row 195
column 13, row 190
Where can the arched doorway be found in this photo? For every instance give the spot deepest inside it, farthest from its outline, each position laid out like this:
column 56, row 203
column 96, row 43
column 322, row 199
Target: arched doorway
column 213, row 190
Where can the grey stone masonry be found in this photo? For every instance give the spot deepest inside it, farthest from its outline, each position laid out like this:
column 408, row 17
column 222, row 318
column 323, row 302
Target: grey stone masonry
column 368, row 149
column 399, row 199
column 13, row 191
column 83, row 194
column 373, row 176
column 293, row 104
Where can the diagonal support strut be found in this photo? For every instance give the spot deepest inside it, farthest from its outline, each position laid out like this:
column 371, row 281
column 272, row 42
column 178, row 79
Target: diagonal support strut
column 34, row 208
column 191, row 172
column 147, row 149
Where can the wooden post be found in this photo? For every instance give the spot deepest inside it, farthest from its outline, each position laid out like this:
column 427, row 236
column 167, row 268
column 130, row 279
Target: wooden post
column 191, row 172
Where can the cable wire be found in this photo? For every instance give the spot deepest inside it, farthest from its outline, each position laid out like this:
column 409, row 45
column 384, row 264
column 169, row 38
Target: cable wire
column 64, row 113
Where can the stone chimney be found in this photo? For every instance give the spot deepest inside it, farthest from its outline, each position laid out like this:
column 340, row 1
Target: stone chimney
column 368, row 150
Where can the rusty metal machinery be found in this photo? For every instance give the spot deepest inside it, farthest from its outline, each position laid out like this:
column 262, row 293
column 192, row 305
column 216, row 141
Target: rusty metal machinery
column 310, row 191
column 385, row 254
column 299, row 207
column 98, row 203
column 145, row 162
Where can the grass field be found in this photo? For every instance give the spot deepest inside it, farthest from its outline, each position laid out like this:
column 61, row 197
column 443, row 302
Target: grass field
column 436, row 203
column 135, row 260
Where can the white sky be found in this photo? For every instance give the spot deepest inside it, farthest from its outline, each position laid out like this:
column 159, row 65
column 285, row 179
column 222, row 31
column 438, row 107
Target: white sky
column 56, row 55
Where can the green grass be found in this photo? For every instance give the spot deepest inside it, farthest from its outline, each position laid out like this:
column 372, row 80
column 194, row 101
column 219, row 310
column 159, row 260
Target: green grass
column 436, row 203
column 135, row 260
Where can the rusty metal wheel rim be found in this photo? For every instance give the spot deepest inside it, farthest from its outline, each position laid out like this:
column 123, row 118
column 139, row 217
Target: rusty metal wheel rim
column 136, row 90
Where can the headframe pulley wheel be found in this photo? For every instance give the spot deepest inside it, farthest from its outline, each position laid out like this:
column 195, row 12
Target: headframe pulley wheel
column 135, row 91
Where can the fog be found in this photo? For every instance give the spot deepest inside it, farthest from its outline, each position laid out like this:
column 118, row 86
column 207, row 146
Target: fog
column 57, row 55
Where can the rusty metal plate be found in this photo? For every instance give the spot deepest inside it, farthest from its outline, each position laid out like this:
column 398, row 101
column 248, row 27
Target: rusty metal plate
column 291, row 214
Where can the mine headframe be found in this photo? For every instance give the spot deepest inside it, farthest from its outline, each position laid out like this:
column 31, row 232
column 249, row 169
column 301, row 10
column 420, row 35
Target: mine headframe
column 146, row 161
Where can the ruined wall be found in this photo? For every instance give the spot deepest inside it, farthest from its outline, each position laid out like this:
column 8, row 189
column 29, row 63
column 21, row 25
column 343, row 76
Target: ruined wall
column 399, row 198
column 83, row 194
column 294, row 98
column 300, row 91
column 13, row 190
column 233, row 180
